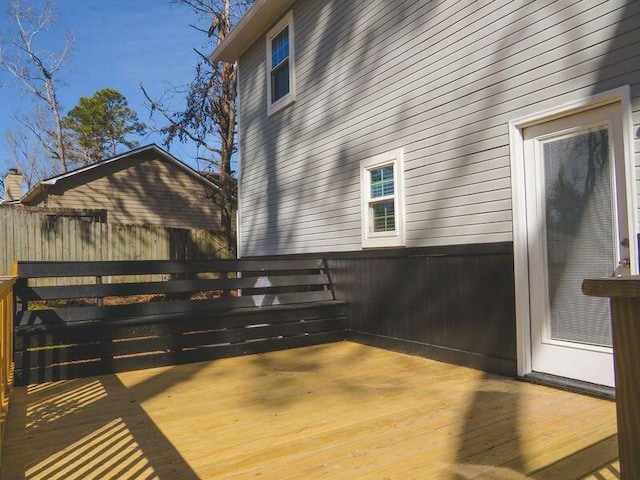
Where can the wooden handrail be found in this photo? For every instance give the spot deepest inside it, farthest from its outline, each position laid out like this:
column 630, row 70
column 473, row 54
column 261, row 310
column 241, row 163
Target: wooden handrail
column 6, row 346
column 624, row 295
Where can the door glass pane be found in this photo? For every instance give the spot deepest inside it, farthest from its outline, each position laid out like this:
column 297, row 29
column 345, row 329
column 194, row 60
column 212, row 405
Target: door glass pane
column 580, row 238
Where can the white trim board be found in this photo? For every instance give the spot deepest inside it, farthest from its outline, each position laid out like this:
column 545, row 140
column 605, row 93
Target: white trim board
column 396, row 238
column 239, row 235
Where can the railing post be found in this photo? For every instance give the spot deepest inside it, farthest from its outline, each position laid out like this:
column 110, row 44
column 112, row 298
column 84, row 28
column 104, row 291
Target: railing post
column 7, row 312
column 624, row 293
column 100, row 299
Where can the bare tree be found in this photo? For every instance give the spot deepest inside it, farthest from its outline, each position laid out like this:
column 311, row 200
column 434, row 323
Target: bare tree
column 35, row 71
column 209, row 116
column 24, row 146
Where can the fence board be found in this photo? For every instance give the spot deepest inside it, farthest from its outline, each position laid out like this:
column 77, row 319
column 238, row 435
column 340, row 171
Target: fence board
column 36, row 235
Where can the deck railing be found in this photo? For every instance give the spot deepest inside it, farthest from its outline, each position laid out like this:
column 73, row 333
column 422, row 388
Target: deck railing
column 6, row 346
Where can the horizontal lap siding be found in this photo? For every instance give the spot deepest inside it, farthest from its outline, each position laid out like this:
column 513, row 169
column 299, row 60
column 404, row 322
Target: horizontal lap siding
column 143, row 192
column 442, row 79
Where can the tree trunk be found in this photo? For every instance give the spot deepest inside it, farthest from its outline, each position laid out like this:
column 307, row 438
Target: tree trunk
column 227, row 130
column 53, row 104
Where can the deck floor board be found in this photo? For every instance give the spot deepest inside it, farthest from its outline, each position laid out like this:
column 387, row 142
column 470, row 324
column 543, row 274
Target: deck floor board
column 339, row 411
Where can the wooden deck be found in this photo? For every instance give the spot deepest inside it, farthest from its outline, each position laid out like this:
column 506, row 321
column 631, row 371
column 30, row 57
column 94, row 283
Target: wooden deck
column 336, row 411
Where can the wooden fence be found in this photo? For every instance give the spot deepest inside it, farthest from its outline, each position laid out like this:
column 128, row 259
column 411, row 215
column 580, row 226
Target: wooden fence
column 6, row 347
column 37, row 235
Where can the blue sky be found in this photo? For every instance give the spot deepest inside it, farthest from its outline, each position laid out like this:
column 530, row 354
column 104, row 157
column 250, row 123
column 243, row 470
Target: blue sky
column 119, row 44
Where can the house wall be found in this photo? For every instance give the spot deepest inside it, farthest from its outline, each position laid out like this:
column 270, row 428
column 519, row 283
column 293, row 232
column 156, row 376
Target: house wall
column 441, row 79
column 143, row 190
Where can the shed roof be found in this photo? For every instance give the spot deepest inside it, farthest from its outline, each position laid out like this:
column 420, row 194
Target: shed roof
column 44, row 185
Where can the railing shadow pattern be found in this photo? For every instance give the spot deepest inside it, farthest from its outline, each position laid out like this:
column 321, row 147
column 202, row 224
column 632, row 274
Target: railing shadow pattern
column 6, row 347
column 93, row 428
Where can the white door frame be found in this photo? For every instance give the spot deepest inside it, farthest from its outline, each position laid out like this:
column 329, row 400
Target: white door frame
column 518, row 202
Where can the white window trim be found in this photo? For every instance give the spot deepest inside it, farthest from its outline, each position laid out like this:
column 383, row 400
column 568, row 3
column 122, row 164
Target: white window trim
column 288, row 99
column 395, row 238
column 520, row 248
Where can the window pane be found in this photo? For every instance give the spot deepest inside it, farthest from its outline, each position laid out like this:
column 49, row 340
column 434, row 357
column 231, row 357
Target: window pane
column 382, row 182
column 280, row 48
column 383, row 216
column 280, row 82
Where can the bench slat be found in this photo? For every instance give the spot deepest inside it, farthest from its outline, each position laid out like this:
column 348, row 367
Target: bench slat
column 144, row 267
column 79, row 314
column 156, row 325
column 171, row 342
column 48, row 373
column 169, row 286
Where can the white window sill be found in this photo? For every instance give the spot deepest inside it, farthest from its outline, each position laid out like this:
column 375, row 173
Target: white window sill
column 382, row 241
column 281, row 104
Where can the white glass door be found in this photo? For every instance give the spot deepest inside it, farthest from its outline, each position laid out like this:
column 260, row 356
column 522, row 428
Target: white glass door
column 577, row 228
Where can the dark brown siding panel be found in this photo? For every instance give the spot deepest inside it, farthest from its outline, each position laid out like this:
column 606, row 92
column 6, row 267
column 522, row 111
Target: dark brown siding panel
column 435, row 352
column 455, row 302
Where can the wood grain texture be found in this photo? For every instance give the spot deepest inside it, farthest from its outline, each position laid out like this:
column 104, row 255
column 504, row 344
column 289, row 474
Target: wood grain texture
column 626, row 350
column 625, row 315
column 6, row 348
column 612, row 287
column 339, row 411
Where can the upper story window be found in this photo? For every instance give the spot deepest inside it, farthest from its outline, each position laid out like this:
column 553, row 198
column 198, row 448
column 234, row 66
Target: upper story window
column 280, row 65
column 382, row 183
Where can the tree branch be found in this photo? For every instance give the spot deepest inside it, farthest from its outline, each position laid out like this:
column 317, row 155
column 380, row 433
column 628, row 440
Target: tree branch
column 167, row 116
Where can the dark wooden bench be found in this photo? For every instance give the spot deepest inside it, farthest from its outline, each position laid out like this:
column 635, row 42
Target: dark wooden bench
column 186, row 312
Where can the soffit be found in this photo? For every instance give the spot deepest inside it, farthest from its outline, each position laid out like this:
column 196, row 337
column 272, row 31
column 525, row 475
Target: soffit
column 255, row 22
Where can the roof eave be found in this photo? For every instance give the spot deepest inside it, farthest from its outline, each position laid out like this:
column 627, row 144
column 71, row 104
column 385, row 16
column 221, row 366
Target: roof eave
column 34, row 193
column 256, row 21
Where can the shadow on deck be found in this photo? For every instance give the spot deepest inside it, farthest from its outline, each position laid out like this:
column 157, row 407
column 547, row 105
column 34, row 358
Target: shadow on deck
column 332, row 411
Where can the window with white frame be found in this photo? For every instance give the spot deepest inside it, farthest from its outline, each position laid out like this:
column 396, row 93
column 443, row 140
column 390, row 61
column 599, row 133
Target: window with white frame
column 280, row 65
column 382, row 183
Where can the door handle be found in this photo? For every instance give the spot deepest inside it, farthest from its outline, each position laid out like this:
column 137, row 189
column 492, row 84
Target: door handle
column 623, row 267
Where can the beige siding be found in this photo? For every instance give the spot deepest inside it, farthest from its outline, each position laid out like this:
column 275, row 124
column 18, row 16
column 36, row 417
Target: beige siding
column 442, row 79
column 140, row 191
